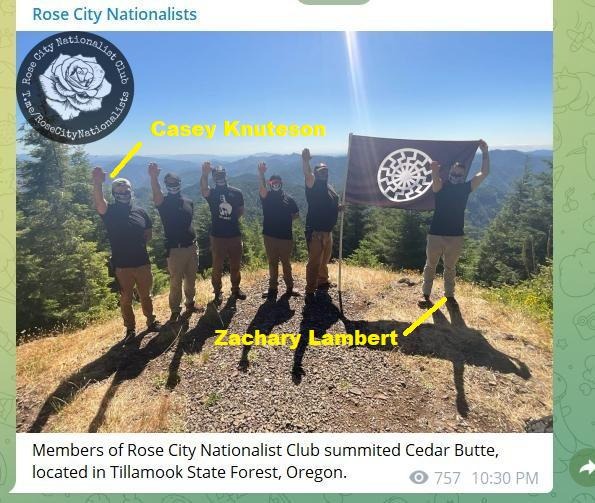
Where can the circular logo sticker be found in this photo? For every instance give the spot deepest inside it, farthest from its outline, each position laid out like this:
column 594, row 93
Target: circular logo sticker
column 405, row 175
column 75, row 87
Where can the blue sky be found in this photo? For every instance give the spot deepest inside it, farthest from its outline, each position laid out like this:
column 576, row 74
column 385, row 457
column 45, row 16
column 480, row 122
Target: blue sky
column 447, row 85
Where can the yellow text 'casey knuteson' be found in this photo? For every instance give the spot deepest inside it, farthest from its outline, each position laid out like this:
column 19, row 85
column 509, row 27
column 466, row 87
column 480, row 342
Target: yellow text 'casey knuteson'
column 235, row 128
column 291, row 339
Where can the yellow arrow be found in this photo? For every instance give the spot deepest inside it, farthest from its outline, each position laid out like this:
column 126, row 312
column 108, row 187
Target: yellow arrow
column 424, row 316
column 131, row 153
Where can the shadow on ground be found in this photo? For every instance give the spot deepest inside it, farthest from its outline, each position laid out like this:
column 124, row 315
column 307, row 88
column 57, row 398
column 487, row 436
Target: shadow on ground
column 123, row 360
column 271, row 313
column 447, row 340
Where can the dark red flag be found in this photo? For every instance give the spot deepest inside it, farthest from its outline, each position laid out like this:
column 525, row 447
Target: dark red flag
column 396, row 173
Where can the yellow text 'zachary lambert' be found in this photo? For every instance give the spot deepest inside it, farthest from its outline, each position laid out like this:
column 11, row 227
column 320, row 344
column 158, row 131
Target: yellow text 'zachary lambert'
column 225, row 338
column 160, row 128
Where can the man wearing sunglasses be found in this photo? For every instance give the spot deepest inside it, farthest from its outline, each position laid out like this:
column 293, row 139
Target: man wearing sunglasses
column 129, row 228
column 279, row 210
column 446, row 236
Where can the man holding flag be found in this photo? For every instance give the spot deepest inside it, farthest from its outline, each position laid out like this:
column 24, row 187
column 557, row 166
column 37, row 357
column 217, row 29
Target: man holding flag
column 445, row 238
column 401, row 173
column 323, row 211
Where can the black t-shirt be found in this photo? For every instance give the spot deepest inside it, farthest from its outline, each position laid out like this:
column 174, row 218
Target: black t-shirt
column 225, row 203
column 323, row 207
column 277, row 211
column 126, row 227
column 176, row 214
column 449, row 212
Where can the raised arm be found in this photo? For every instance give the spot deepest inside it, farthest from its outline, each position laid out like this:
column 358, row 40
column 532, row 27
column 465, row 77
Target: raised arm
column 154, row 171
column 436, row 180
column 204, row 179
column 308, row 175
column 98, row 179
column 262, row 184
column 485, row 166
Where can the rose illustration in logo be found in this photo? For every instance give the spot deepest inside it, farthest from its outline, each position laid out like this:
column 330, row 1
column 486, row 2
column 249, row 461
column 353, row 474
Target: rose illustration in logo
column 74, row 84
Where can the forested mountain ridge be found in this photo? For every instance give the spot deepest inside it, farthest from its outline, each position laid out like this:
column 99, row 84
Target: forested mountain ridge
column 507, row 165
column 62, row 249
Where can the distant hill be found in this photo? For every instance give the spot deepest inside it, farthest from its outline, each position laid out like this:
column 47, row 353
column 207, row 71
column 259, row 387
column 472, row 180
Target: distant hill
column 506, row 166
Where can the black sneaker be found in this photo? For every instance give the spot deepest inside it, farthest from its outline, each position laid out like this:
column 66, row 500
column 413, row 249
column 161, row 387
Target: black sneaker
column 270, row 294
column 174, row 318
column 218, row 299
column 239, row 294
column 424, row 302
column 191, row 307
column 310, row 298
column 326, row 286
column 189, row 311
column 130, row 334
column 154, row 326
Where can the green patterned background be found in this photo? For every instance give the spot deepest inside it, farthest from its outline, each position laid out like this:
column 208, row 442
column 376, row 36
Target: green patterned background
column 574, row 229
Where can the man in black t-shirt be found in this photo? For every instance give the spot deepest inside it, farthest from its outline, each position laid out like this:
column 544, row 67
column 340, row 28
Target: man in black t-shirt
column 323, row 211
column 445, row 237
column 128, row 229
column 227, row 206
column 176, row 212
column 279, row 210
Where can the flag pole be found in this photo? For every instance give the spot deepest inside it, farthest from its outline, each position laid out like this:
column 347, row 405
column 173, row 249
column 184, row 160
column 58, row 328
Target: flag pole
column 339, row 280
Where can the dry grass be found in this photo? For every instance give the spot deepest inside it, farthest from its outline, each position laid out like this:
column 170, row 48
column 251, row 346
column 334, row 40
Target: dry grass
column 506, row 329
column 141, row 404
column 144, row 403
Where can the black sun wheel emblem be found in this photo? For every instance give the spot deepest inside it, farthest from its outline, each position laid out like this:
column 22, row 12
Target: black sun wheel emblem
column 405, row 175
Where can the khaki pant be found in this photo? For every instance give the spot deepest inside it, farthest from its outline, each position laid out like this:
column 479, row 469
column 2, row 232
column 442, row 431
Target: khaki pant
column 279, row 250
column 449, row 248
column 220, row 249
column 320, row 248
column 128, row 278
column 182, row 264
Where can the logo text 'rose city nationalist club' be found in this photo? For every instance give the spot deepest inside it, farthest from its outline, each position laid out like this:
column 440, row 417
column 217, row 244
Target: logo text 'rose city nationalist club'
column 75, row 87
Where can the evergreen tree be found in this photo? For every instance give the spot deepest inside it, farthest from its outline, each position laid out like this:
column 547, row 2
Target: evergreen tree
column 354, row 228
column 396, row 238
column 62, row 278
column 202, row 226
column 516, row 241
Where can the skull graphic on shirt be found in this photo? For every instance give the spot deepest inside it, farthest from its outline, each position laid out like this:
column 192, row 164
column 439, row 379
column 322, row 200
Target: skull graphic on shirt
column 225, row 208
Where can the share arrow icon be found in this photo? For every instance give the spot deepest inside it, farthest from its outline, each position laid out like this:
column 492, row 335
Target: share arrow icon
column 588, row 467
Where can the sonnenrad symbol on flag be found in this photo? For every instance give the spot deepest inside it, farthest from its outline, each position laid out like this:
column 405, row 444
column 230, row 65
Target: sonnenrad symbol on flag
column 405, row 174
column 396, row 173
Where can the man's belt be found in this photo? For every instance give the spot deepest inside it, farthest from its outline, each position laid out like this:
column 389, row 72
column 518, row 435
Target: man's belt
column 184, row 244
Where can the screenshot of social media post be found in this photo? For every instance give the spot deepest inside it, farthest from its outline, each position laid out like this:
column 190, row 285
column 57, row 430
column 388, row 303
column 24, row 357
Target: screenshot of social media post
column 308, row 260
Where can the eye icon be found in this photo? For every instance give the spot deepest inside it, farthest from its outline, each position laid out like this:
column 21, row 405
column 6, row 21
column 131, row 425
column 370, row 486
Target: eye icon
column 419, row 477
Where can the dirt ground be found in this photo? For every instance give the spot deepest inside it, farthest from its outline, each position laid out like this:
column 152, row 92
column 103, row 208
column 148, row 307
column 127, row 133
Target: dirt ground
column 481, row 368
